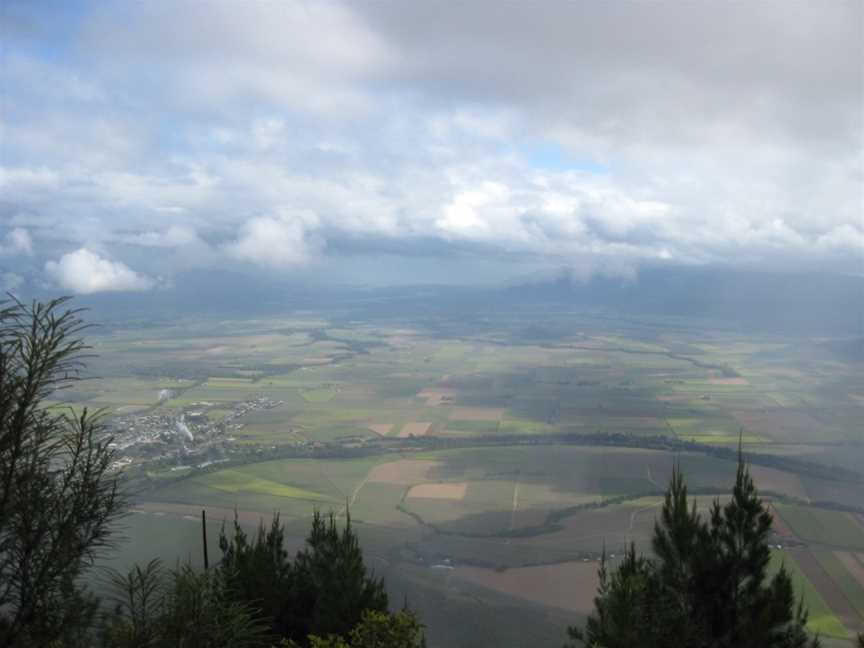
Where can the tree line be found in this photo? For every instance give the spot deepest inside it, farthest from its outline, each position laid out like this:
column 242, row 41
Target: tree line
column 706, row 584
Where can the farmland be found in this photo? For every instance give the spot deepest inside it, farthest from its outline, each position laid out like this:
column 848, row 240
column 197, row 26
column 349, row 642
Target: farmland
column 486, row 463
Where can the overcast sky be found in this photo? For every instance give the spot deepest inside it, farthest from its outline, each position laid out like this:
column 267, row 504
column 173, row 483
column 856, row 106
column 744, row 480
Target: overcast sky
column 430, row 141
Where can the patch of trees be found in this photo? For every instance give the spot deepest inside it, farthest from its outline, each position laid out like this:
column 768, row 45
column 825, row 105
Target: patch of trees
column 257, row 597
column 706, row 586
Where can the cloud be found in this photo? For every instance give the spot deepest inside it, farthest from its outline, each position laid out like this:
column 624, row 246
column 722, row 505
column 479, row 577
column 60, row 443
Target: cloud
column 85, row 272
column 598, row 137
column 17, row 241
column 9, row 281
column 276, row 242
column 173, row 237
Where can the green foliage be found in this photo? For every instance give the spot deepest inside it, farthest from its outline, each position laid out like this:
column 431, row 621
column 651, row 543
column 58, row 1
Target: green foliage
column 57, row 499
column 155, row 609
column 256, row 594
column 331, row 585
column 376, row 630
column 707, row 585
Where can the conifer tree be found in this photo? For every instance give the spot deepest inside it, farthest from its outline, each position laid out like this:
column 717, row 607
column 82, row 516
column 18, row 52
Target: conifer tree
column 707, row 585
column 331, row 584
column 259, row 572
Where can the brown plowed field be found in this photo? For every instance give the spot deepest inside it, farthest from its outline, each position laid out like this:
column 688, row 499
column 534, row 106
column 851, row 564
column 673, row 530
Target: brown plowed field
column 826, row 587
column 779, row 481
column 854, row 565
column 416, row 428
column 569, row 586
column 780, row 526
column 477, row 413
column 382, row 429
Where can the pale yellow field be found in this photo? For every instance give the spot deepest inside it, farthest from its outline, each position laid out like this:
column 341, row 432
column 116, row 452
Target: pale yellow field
column 439, row 491
column 415, row 428
column 382, row 429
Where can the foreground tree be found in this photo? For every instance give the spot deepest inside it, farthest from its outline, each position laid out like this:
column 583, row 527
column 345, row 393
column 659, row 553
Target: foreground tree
column 258, row 572
column 325, row 591
column 57, row 497
column 159, row 609
column 255, row 596
column 376, row 630
column 332, row 586
column 707, row 586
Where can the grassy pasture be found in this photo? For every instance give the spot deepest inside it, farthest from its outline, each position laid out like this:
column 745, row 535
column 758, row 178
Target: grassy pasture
column 293, row 486
column 234, row 481
column 830, row 528
column 822, row 618
column 851, row 588
column 479, row 427
column 320, row 394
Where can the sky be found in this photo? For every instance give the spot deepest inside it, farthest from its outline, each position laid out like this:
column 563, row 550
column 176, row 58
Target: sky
column 394, row 142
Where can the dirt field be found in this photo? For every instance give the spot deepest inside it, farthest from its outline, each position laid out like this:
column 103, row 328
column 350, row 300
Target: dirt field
column 854, row 565
column 569, row 586
column 415, row 428
column 780, row 526
column 404, row 471
column 477, row 413
column 439, row 491
column 826, row 587
column 779, row 481
column 381, row 429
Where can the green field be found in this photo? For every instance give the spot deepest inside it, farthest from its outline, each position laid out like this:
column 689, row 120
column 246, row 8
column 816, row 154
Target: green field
column 832, row 528
column 506, row 481
column 820, row 617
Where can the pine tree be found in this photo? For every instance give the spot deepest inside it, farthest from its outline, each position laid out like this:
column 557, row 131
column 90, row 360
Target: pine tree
column 259, row 573
column 331, row 585
column 734, row 601
column 623, row 606
column 675, row 543
column 707, row 585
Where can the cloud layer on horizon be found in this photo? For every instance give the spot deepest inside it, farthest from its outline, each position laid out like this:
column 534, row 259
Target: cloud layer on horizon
column 143, row 139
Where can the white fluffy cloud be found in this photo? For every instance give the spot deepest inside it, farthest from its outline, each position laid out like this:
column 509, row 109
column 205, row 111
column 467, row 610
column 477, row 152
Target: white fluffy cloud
column 85, row 272
column 275, row 242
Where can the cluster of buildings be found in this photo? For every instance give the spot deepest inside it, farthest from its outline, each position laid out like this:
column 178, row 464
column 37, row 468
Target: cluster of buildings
column 187, row 434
